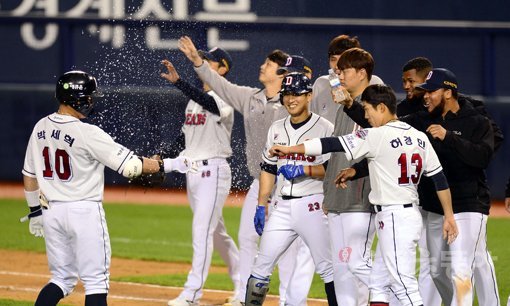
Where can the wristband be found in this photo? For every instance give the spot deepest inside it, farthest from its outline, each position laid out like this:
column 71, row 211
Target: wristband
column 32, row 198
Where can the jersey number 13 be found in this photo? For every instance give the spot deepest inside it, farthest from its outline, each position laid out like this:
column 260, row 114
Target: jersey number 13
column 406, row 165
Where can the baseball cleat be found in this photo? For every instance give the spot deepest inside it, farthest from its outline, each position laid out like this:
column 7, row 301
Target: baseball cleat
column 181, row 302
column 233, row 302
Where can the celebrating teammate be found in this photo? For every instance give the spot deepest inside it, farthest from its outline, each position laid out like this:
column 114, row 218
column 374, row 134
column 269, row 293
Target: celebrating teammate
column 260, row 108
column 207, row 130
column 397, row 156
column 297, row 201
column 64, row 164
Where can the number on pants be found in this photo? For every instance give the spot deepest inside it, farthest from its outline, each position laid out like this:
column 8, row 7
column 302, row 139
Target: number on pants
column 404, row 167
column 62, row 164
column 314, row 206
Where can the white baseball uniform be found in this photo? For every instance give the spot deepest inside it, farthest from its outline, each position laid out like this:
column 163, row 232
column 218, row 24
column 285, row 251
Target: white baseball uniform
column 397, row 157
column 297, row 204
column 259, row 112
column 207, row 138
column 67, row 157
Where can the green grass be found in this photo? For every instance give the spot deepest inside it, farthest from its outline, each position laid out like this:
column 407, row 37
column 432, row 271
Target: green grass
column 163, row 233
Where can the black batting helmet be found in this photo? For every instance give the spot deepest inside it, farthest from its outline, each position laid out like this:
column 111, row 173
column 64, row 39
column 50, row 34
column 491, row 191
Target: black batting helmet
column 295, row 83
column 75, row 88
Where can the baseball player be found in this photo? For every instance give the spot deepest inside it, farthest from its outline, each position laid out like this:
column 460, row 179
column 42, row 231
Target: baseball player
column 65, row 162
column 296, row 268
column 297, row 202
column 484, row 272
column 207, row 131
column 322, row 101
column 350, row 217
column 260, row 108
column 397, row 157
column 464, row 141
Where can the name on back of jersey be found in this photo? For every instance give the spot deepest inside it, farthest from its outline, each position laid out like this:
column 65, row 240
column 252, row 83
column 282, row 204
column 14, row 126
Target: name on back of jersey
column 407, row 140
column 55, row 134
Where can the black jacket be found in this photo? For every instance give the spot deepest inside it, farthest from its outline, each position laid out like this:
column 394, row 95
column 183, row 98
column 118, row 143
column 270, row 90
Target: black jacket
column 464, row 154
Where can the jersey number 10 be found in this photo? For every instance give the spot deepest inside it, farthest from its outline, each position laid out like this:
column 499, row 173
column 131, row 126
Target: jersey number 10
column 62, row 164
column 415, row 161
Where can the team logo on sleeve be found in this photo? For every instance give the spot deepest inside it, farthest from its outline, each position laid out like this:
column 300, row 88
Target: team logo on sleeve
column 361, row 134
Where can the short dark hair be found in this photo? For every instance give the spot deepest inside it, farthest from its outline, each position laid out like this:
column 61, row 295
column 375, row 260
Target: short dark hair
column 358, row 59
column 422, row 65
column 378, row 93
column 278, row 56
column 341, row 43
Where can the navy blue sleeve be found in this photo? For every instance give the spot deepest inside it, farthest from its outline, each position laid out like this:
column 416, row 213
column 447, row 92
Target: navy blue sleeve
column 197, row 95
column 440, row 181
column 357, row 114
column 331, row 144
column 361, row 169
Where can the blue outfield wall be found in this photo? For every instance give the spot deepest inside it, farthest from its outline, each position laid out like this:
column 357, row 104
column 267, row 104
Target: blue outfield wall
column 123, row 42
column 143, row 119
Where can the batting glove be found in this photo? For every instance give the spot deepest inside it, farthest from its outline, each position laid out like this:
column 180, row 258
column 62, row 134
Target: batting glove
column 260, row 219
column 36, row 222
column 291, row 171
column 180, row 164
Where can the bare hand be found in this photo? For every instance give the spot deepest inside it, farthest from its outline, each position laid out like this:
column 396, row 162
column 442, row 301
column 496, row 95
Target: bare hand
column 187, row 47
column 450, row 231
column 437, row 131
column 507, row 204
column 172, row 74
column 343, row 97
column 156, row 157
column 279, row 151
column 343, row 176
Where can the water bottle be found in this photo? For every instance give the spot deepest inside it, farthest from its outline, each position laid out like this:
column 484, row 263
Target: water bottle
column 334, row 81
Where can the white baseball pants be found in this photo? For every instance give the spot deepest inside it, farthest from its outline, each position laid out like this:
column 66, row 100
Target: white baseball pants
column 289, row 219
column 398, row 229
column 207, row 191
column 428, row 290
column 352, row 235
column 463, row 257
column 78, row 246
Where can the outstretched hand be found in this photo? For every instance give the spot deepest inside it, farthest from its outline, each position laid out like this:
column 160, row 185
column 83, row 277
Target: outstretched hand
column 343, row 176
column 172, row 74
column 187, row 47
column 278, row 150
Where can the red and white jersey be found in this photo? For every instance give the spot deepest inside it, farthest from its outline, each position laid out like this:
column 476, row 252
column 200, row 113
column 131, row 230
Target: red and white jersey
column 281, row 132
column 68, row 156
column 398, row 155
column 208, row 135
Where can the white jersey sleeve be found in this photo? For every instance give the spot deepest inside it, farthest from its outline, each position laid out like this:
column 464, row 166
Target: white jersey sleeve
column 104, row 149
column 360, row 144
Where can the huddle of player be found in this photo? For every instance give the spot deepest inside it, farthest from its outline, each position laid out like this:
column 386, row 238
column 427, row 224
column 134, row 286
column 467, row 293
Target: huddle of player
column 339, row 163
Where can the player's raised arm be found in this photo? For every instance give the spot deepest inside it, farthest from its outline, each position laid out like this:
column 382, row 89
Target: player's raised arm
column 187, row 47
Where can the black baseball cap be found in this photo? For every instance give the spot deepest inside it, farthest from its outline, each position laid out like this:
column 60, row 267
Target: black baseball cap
column 218, row 55
column 439, row 78
column 296, row 63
